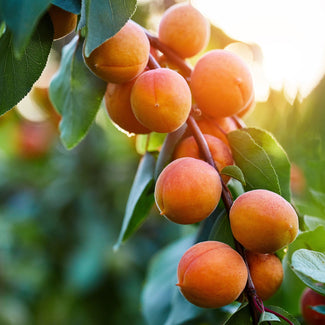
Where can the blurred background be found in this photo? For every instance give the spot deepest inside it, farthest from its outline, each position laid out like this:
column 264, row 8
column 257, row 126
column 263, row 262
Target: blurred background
column 61, row 211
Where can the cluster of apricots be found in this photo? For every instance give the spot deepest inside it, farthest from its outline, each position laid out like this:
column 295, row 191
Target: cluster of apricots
column 140, row 100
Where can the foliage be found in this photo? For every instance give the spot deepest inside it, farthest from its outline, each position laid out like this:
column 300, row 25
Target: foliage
column 61, row 212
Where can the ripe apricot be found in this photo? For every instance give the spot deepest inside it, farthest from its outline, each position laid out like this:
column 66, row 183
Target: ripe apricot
column 221, row 84
column 184, row 29
column 122, row 57
column 311, row 298
column 267, row 273
column 161, row 100
column 118, row 105
column 263, row 221
column 187, row 190
column 64, row 22
column 297, row 180
column 211, row 274
column 221, row 154
column 217, row 127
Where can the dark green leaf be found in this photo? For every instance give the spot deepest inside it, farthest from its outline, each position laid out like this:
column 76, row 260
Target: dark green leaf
column 21, row 17
column 104, row 18
column 140, row 200
column 234, row 172
column 309, row 266
column 254, row 162
column 319, row 308
column 160, row 284
column 221, row 230
column 277, row 155
column 17, row 76
column 167, row 149
column 76, row 94
column 284, row 313
column 240, row 317
column 69, row 5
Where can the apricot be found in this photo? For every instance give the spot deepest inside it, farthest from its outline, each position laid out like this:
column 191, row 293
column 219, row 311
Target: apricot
column 218, row 128
column 220, row 152
column 267, row 273
column 122, row 57
column 187, row 190
column 161, row 100
column 64, row 22
column 118, row 105
column 221, row 84
column 211, row 274
column 184, row 29
column 263, row 221
column 311, row 298
column 297, row 180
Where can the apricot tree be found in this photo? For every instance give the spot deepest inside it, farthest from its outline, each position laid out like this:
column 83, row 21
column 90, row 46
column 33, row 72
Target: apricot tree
column 230, row 182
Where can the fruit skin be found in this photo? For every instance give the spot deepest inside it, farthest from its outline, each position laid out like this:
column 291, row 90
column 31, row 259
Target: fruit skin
column 122, row 57
column 262, row 221
column 297, row 180
column 184, row 29
column 312, row 298
column 64, row 22
column 267, row 273
column 211, row 274
column 221, row 84
column 221, row 154
column 118, row 106
column 161, row 100
column 187, row 190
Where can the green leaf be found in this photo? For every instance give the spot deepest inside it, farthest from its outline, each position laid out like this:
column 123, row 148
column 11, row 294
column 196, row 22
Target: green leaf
column 69, row 5
column 149, row 142
column 17, row 76
column 240, row 317
column 140, row 200
column 277, row 155
column 234, row 172
column 221, row 230
column 160, row 285
column 21, row 17
column 267, row 317
column 313, row 222
column 168, row 148
column 254, row 162
column 103, row 19
column 76, row 94
column 284, row 313
column 288, row 295
column 319, row 308
column 309, row 266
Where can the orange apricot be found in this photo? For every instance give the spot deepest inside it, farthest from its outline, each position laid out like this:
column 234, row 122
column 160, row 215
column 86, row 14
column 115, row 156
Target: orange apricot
column 118, row 105
column 161, row 100
column 221, row 84
column 297, row 180
column 217, row 127
column 311, row 298
column 64, row 22
column 267, row 273
column 263, row 221
column 122, row 57
column 184, row 29
column 187, row 190
column 211, row 274
column 220, row 152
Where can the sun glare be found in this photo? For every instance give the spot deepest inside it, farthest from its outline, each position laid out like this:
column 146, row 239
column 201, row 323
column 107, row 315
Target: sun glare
column 289, row 33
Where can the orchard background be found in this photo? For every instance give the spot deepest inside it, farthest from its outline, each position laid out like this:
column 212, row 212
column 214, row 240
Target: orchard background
column 65, row 182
